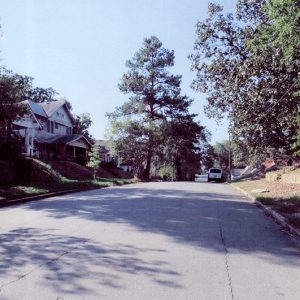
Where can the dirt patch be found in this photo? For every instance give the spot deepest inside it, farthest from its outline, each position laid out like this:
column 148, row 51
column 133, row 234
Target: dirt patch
column 119, row 173
column 103, row 173
column 282, row 188
column 75, row 171
column 71, row 170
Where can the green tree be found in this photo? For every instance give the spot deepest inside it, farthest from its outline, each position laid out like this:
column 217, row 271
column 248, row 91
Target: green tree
column 181, row 145
column 221, row 154
column 128, row 140
column 154, row 100
column 14, row 89
column 281, row 33
column 207, row 156
column 245, row 81
column 82, row 124
column 296, row 143
column 282, row 36
column 94, row 159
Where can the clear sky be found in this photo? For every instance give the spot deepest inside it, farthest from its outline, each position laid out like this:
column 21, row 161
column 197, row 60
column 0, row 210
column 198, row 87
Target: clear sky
column 79, row 47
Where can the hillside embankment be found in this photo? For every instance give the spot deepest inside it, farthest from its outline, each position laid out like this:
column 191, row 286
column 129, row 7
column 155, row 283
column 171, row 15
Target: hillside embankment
column 34, row 177
column 279, row 190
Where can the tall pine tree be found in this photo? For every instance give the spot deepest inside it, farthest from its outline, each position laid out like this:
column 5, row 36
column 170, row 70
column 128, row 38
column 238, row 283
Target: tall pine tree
column 154, row 100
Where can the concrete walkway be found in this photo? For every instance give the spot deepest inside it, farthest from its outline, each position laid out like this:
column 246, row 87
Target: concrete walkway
column 186, row 240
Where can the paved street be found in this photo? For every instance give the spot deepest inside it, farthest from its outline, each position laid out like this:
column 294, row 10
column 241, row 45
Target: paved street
column 172, row 241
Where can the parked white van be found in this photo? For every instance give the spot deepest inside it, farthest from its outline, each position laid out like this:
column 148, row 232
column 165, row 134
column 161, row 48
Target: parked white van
column 215, row 174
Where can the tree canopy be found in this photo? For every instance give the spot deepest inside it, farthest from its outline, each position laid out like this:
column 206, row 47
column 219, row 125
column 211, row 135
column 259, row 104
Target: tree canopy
column 240, row 61
column 82, row 124
column 14, row 89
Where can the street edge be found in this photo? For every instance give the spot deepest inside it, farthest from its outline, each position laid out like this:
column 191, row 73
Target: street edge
column 17, row 201
column 279, row 219
column 4, row 203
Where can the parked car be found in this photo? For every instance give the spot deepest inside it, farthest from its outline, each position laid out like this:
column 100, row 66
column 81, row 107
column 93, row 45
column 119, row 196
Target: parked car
column 215, row 174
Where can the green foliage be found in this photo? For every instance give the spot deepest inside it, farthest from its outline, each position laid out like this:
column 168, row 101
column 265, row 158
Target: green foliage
column 283, row 32
column 82, row 123
column 248, row 79
column 168, row 173
column 182, row 146
column 128, row 139
column 14, row 89
column 95, row 160
column 296, row 143
column 154, row 124
column 207, row 156
column 221, row 153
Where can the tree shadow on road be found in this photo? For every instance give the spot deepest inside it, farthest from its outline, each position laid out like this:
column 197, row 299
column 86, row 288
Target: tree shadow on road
column 66, row 261
column 190, row 217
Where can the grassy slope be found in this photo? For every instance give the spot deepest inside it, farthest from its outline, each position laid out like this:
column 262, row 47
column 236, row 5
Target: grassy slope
column 282, row 196
column 58, row 176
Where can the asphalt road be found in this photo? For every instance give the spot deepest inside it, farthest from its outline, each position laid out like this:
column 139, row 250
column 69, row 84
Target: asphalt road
column 187, row 240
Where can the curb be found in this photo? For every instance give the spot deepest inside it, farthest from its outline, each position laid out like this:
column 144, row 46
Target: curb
column 279, row 219
column 4, row 203
column 22, row 200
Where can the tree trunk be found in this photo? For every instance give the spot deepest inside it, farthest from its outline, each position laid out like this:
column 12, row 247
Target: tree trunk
column 8, row 130
column 178, row 169
column 149, row 157
column 148, row 163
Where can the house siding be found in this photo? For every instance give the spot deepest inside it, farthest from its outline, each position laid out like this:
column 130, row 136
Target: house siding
column 40, row 133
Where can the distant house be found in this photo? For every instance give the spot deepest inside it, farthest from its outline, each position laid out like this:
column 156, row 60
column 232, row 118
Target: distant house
column 106, row 152
column 47, row 132
column 108, row 157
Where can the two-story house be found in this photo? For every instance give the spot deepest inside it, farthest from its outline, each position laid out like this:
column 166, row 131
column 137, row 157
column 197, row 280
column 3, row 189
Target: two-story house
column 47, row 132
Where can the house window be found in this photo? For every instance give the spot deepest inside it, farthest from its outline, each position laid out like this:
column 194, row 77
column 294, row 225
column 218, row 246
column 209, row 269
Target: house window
column 56, row 125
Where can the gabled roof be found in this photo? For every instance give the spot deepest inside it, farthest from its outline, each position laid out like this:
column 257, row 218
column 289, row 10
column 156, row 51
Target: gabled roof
column 63, row 139
column 66, row 139
column 51, row 107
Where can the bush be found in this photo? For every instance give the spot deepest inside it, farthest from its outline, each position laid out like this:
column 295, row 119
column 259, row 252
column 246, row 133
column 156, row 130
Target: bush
column 167, row 173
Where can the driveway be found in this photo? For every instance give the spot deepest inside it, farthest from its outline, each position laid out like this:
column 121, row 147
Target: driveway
column 178, row 240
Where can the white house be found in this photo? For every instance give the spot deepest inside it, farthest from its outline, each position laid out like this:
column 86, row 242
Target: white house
column 47, row 132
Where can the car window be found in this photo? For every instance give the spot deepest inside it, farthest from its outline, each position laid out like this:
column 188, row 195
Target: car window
column 215, row 171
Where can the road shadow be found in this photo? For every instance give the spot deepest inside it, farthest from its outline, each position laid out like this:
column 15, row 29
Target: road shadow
column 64, row 261
column 189, row 217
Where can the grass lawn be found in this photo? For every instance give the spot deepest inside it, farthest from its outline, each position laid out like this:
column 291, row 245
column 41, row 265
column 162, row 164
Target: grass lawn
column 282, row 197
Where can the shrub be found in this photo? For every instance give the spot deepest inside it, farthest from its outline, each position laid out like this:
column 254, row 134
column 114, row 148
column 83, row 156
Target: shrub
column 167, row 173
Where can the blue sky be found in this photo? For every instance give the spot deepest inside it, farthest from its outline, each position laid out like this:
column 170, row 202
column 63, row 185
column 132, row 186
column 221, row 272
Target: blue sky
column 79, row 47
